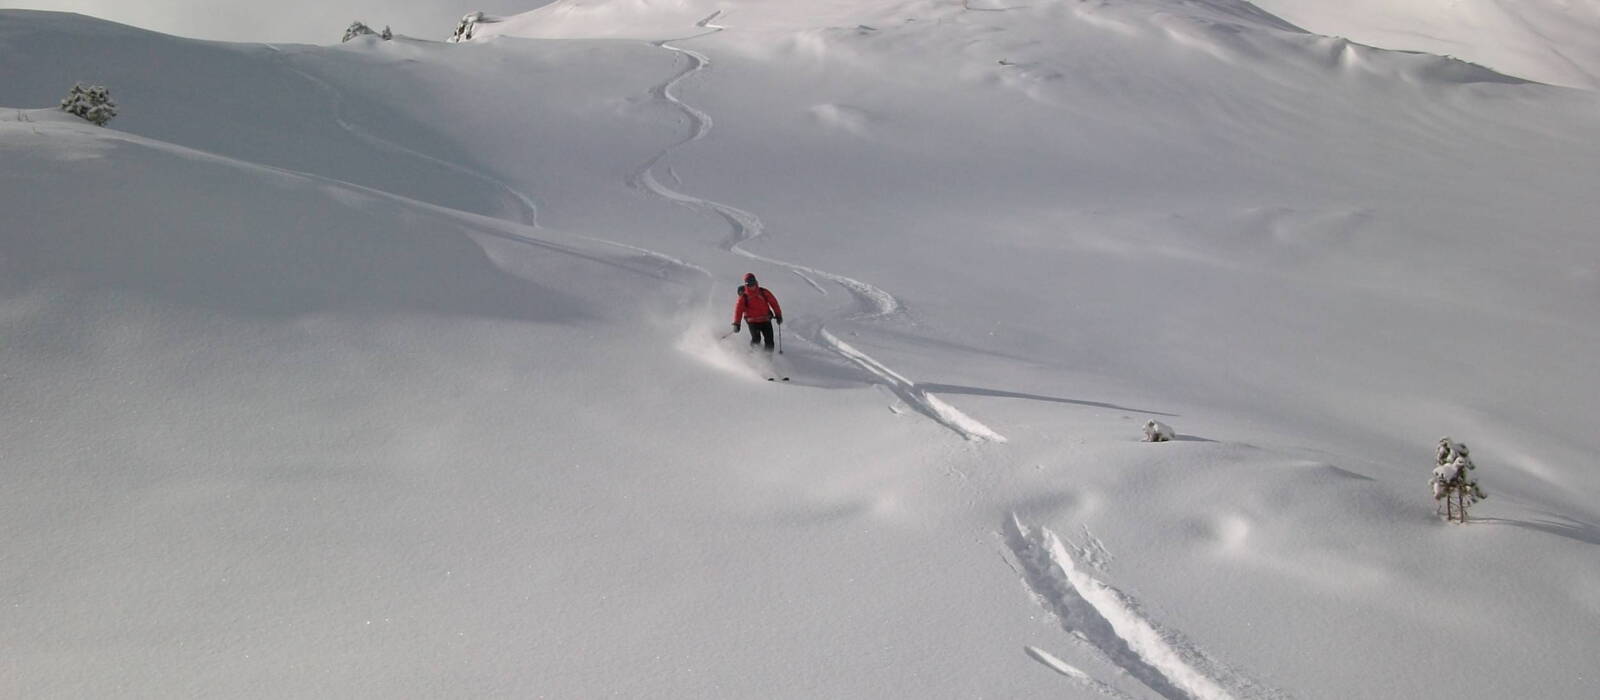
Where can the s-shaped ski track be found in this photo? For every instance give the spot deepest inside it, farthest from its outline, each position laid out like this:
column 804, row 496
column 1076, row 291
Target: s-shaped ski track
column 528, row 216
column 872, row 302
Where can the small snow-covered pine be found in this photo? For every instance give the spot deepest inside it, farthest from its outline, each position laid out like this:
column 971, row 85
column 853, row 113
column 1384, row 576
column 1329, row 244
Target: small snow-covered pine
column 469, row 25
column 464, row 28
column 1452, row 482
column 357, row 28
column 91, row 103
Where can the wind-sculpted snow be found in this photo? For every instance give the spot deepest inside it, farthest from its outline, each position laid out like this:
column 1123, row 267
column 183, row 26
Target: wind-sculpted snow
column 1551, row 41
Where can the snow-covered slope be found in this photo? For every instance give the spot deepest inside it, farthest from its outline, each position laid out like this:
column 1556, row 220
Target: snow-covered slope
column 1552, row 41
column 393, row 368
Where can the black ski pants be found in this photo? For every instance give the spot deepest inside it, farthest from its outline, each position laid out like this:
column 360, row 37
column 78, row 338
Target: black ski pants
column 759, row 331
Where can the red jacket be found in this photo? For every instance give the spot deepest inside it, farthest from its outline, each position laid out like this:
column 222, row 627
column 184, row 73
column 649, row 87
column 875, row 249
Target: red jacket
column 757, row 307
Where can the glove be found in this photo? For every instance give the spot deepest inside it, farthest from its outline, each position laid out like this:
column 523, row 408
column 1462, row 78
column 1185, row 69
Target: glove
column 778, row 320
column 736, row 327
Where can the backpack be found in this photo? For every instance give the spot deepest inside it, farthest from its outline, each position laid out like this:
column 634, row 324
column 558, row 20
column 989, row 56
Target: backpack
column 764, row 292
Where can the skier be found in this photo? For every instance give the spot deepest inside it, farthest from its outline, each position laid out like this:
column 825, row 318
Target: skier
column 759, row 308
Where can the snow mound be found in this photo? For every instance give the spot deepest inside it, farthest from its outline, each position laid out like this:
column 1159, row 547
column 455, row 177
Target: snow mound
column 852, row 120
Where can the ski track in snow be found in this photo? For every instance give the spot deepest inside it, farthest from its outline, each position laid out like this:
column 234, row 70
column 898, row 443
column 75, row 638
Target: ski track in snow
column 1111, row 625
column 907, row 391
column 1073, row 672
column 1092, row 552
column 872, row 302
column 812, row 282
column 529, row 213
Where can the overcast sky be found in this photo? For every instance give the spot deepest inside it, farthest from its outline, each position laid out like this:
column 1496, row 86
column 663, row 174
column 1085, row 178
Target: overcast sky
column 303, row 21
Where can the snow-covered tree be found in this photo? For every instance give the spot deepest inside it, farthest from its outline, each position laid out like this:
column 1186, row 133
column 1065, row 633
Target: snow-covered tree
column 92, row 103
column 357, row 28
column 466, row 26
column 1453, row 485
column 1156, row 431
